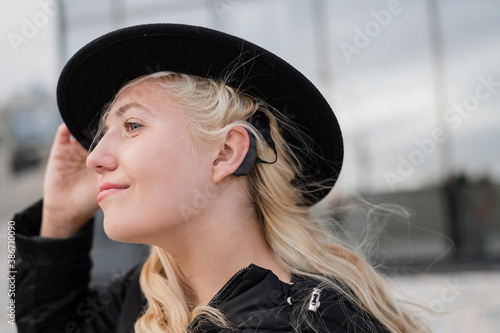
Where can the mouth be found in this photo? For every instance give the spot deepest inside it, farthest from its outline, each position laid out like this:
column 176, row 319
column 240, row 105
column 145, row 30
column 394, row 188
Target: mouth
column 106, row 189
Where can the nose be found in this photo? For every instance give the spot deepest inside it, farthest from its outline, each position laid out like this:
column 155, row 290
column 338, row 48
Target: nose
column 102, row 157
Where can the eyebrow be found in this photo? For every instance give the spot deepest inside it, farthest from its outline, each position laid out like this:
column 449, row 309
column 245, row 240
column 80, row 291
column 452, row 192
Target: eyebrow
column 122, row 110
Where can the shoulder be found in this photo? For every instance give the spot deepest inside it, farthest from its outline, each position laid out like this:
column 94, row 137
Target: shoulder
column 259, row 302
column 114, row 305
column 328, row 309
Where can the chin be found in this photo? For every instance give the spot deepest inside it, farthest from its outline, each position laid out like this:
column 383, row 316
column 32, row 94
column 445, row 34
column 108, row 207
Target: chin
column 117, row 231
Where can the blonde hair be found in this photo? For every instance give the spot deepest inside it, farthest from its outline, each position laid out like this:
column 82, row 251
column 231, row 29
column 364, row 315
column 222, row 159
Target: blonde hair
column 299, row 242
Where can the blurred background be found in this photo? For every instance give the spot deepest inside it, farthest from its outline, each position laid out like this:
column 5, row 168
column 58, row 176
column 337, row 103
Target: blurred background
column 416, row 88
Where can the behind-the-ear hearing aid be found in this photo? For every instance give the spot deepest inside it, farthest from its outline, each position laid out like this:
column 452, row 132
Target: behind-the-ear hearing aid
column 249, row 160
column 261, row 123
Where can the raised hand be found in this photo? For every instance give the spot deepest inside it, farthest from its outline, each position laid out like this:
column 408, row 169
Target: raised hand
column 70, row 188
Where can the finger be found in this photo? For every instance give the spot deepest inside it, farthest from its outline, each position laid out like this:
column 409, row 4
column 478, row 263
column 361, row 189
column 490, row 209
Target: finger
column 79, row 149
column 63, row 135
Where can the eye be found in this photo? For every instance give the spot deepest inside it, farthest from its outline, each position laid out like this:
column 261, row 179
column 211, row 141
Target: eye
column 130, row 127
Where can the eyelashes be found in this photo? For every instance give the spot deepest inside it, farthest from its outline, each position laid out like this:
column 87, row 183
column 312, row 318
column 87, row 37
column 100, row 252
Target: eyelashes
column 131, row 127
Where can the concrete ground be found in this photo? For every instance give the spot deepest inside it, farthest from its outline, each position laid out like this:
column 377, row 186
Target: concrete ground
column 472, row 300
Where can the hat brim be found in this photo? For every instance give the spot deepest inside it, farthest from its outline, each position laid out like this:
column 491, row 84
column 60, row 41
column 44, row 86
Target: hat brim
column 96, row 72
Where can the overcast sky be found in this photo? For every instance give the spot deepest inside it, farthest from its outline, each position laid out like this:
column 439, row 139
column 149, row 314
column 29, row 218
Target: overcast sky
column 381, row 89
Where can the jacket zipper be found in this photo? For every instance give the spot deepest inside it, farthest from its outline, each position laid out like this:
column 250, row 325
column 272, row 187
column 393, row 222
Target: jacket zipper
column 232, row 282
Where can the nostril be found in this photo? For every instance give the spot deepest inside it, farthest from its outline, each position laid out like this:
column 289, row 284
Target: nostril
column 92, row 165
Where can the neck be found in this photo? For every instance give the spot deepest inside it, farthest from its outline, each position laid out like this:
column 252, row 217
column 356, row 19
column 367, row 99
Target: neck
column 222, row 240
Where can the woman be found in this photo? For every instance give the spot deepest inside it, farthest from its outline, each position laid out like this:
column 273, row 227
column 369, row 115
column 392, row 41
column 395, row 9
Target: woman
column 202, row 155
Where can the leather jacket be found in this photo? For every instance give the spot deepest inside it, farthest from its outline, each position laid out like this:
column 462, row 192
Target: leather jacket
column 53, row 293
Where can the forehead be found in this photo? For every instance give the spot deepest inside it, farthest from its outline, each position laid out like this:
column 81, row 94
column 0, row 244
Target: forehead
column 145, row 97
column 142, row 96
column 142, row 91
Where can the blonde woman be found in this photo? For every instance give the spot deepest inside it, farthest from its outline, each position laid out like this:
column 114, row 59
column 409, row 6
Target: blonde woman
column 212, row 150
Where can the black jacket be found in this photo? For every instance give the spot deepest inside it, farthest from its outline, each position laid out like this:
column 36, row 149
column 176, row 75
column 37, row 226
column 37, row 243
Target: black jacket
column 53, row 294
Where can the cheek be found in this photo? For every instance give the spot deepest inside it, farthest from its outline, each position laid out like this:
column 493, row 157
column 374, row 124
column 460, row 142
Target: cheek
column 167, row 186
column 168, row 180
column 171, row 187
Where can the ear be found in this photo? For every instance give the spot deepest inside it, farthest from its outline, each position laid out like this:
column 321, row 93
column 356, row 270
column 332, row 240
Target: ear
column 232, row 154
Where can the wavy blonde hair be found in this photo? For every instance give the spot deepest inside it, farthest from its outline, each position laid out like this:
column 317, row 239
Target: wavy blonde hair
column 299, row 242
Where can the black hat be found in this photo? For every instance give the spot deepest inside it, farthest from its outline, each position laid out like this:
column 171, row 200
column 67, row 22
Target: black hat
column 96, row 72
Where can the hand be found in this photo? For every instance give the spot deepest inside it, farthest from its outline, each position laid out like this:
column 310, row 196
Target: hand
column 70, row 188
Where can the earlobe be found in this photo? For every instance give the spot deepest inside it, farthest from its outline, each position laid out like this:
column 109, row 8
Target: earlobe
column 232, row 154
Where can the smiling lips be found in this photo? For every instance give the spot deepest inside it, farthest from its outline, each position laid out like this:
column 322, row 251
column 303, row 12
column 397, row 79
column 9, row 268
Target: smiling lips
column 107, row 189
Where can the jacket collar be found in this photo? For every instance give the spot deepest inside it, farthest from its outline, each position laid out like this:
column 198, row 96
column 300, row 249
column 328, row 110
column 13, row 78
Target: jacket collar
column 254, row 298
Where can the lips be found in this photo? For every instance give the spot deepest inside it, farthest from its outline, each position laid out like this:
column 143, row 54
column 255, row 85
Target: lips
column 106, row 189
